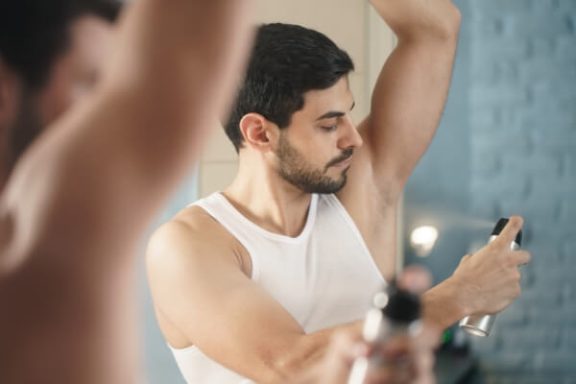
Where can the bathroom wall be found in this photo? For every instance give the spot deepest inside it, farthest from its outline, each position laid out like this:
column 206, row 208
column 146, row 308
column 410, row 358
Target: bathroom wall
column 507, row 145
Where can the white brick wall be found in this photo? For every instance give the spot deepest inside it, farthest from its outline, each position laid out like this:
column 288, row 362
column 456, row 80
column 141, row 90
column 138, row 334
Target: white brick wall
column 523, row 141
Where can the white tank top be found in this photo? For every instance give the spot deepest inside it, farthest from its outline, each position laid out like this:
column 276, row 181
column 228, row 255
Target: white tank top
column 324, row 277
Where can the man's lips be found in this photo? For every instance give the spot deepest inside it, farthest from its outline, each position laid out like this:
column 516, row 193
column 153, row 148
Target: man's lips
column 341, row 163
column 344, row 163
column 343, row 160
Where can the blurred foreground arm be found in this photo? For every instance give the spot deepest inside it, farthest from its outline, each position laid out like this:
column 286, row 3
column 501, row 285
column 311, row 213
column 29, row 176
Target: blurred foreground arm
column 83, row 195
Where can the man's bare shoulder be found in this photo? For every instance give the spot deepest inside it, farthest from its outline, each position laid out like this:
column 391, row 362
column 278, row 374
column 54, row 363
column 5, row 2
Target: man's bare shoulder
column 198, row 222
column 193, row 236
column 193, row 229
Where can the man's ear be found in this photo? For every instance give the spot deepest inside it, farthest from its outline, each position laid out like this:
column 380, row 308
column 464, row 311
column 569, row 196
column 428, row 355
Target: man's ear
column 256, row 131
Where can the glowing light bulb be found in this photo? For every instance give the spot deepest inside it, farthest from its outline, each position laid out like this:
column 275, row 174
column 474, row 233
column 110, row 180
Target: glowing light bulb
column 423, row 239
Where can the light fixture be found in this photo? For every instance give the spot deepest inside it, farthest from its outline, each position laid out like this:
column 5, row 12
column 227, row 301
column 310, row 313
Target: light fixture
column 423, row 239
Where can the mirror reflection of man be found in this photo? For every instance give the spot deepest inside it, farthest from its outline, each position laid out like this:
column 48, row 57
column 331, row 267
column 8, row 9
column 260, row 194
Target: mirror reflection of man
column 51, row 56
column 80, row 188
column 251, row 282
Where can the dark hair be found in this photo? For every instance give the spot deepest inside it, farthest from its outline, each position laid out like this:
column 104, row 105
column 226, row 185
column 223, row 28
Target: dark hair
column 34, row 32
column 286, row 62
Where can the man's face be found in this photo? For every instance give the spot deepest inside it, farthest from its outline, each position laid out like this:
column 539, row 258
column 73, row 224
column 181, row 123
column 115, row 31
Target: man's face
column 77, row 71
column 72, row 77
column 315, row 152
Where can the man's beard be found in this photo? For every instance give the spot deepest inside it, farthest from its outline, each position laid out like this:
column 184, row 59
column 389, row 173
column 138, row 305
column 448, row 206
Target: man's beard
column 294, row 168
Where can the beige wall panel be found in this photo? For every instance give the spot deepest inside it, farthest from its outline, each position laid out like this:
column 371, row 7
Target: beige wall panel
column 219, row 148
column 215, row 176
column 342, row 20
column 357, row 86
column 381, row 41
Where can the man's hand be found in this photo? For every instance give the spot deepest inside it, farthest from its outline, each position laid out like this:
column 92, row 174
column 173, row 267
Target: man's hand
column 489, row 280
column 406, row 359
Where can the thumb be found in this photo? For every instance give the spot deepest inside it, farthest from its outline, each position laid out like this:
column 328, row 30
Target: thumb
column 510, row 231
column 464, row 258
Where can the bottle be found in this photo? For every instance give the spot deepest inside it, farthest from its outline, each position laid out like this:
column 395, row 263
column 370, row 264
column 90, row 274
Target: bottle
column 481, row 325
column 395, row 312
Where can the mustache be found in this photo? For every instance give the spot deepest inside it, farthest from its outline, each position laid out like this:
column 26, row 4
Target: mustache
column 347, row 153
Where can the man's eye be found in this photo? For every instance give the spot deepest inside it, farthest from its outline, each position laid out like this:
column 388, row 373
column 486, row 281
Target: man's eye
column 330, row 128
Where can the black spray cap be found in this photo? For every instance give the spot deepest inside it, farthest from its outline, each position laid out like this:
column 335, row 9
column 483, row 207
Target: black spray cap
column 403, row 306
column 500, row 226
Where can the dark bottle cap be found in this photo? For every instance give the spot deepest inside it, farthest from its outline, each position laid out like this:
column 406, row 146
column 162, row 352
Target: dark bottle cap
column 403, row 306
column 500, row 226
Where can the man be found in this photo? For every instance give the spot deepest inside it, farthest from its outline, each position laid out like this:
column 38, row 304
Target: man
column 253, row 281
column 66, row 279
column 76, row 201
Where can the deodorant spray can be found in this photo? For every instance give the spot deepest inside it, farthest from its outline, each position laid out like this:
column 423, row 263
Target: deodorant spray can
column 481, row 325
column 395, row 312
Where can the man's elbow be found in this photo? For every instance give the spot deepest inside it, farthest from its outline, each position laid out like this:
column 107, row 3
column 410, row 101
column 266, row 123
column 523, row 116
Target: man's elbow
column 443, row 26
column 450, row 27
column 285, row 368
column 281, row 371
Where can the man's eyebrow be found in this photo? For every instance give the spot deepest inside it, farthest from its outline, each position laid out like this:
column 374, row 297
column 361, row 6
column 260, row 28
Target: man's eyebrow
column 332, row 114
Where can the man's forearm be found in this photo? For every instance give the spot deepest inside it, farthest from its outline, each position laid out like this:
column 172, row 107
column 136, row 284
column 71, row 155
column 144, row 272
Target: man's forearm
column 305, row 354
column 443, row 305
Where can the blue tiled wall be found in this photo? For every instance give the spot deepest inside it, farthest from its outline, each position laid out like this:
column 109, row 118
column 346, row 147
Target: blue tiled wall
column 512, row 120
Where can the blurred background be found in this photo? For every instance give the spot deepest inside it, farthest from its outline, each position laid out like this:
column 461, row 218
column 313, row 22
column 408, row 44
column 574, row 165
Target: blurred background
column 506, row 145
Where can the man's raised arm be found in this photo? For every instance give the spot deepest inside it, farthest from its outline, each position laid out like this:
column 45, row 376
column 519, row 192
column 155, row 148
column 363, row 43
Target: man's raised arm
column 115, row 158
column 406, row 108
column 412, row 88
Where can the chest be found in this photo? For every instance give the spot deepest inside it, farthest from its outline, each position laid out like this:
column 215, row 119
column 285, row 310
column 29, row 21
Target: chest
column 327, row 279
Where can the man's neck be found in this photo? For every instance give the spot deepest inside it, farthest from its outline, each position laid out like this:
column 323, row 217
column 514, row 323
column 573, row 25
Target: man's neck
column 268, row 200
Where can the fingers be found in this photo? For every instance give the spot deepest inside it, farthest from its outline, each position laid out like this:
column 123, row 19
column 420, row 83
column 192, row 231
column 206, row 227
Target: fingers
column 394, row 372
column 402, row 360
column 344, row 348
column 396, row 348
column 398, row 366
column 464, row 259
column 348, row 345
column 425, row 367
column 507, row 236
column 430, row 335
column 510, row 231
column 520, row 257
